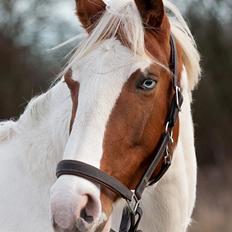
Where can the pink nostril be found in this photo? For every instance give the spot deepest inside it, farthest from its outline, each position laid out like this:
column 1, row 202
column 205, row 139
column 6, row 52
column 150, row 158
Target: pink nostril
column 89, row 209
column 86, row 217
column 79, row 214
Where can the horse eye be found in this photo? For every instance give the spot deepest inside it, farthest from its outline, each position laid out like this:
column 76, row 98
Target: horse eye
column 148, row 84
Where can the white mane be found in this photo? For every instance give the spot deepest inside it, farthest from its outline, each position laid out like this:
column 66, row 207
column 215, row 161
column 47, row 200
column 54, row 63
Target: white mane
column 119, row 15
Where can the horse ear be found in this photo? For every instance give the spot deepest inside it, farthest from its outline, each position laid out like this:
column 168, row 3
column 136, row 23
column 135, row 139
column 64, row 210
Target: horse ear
column 89, row 11
column 152, row 12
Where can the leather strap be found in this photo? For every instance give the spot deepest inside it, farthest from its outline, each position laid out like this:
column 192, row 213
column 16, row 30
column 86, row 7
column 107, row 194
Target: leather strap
column 174, row 108
column 173, row 66
column 130, row 221
column 77, row 168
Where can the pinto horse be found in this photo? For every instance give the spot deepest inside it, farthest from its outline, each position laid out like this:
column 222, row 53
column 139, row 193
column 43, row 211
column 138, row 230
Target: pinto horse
column 116, row 90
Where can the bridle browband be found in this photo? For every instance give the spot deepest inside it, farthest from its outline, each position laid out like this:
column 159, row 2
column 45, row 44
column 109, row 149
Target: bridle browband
column 132, row 213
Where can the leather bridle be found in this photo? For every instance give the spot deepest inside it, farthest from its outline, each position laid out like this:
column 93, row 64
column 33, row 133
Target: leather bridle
column 132, row 212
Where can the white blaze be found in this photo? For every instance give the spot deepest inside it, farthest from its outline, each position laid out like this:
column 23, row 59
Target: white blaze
column 101, row 75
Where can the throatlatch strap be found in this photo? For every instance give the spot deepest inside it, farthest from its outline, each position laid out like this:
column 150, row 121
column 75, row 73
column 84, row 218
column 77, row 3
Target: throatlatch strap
column 173, row 66
column 77, row 168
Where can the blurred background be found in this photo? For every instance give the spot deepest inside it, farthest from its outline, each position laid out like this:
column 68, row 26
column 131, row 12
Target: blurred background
column 29, row 28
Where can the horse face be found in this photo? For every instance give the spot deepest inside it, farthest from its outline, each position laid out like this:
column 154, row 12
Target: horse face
column 122, row 101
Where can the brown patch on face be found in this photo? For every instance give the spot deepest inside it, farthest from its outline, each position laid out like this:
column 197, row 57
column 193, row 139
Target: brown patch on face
column 136, row 125
column 74, row 89
column 134, row 128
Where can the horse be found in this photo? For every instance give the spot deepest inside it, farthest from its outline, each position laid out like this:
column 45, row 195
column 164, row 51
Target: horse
column 108, row 110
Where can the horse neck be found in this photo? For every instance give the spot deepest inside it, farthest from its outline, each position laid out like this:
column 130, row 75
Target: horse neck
column 41, row 132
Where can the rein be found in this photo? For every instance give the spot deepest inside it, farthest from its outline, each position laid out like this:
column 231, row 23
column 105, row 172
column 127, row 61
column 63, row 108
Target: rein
column 132, row 213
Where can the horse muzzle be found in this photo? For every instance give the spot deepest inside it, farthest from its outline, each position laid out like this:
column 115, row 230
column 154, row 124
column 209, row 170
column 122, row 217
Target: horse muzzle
column 75, row 205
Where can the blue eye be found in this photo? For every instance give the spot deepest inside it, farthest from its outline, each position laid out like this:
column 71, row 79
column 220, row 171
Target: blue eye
column 148, row 84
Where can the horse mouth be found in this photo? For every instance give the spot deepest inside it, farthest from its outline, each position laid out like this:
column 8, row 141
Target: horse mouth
column 83, row 226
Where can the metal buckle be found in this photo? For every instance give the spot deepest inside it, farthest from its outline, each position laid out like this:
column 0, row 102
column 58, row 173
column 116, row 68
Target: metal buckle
column 170, row 133
column 167, row 127
column 133, row 203
column 167, row 157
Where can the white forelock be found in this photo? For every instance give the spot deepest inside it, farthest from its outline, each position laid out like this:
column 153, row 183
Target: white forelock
column 124, row 14
column 119, row 15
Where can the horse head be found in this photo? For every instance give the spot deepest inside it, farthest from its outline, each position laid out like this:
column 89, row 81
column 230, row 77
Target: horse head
column 121, row 87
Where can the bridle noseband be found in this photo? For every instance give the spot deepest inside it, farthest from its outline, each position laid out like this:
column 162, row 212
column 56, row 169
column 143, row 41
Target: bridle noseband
column 132, row 213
